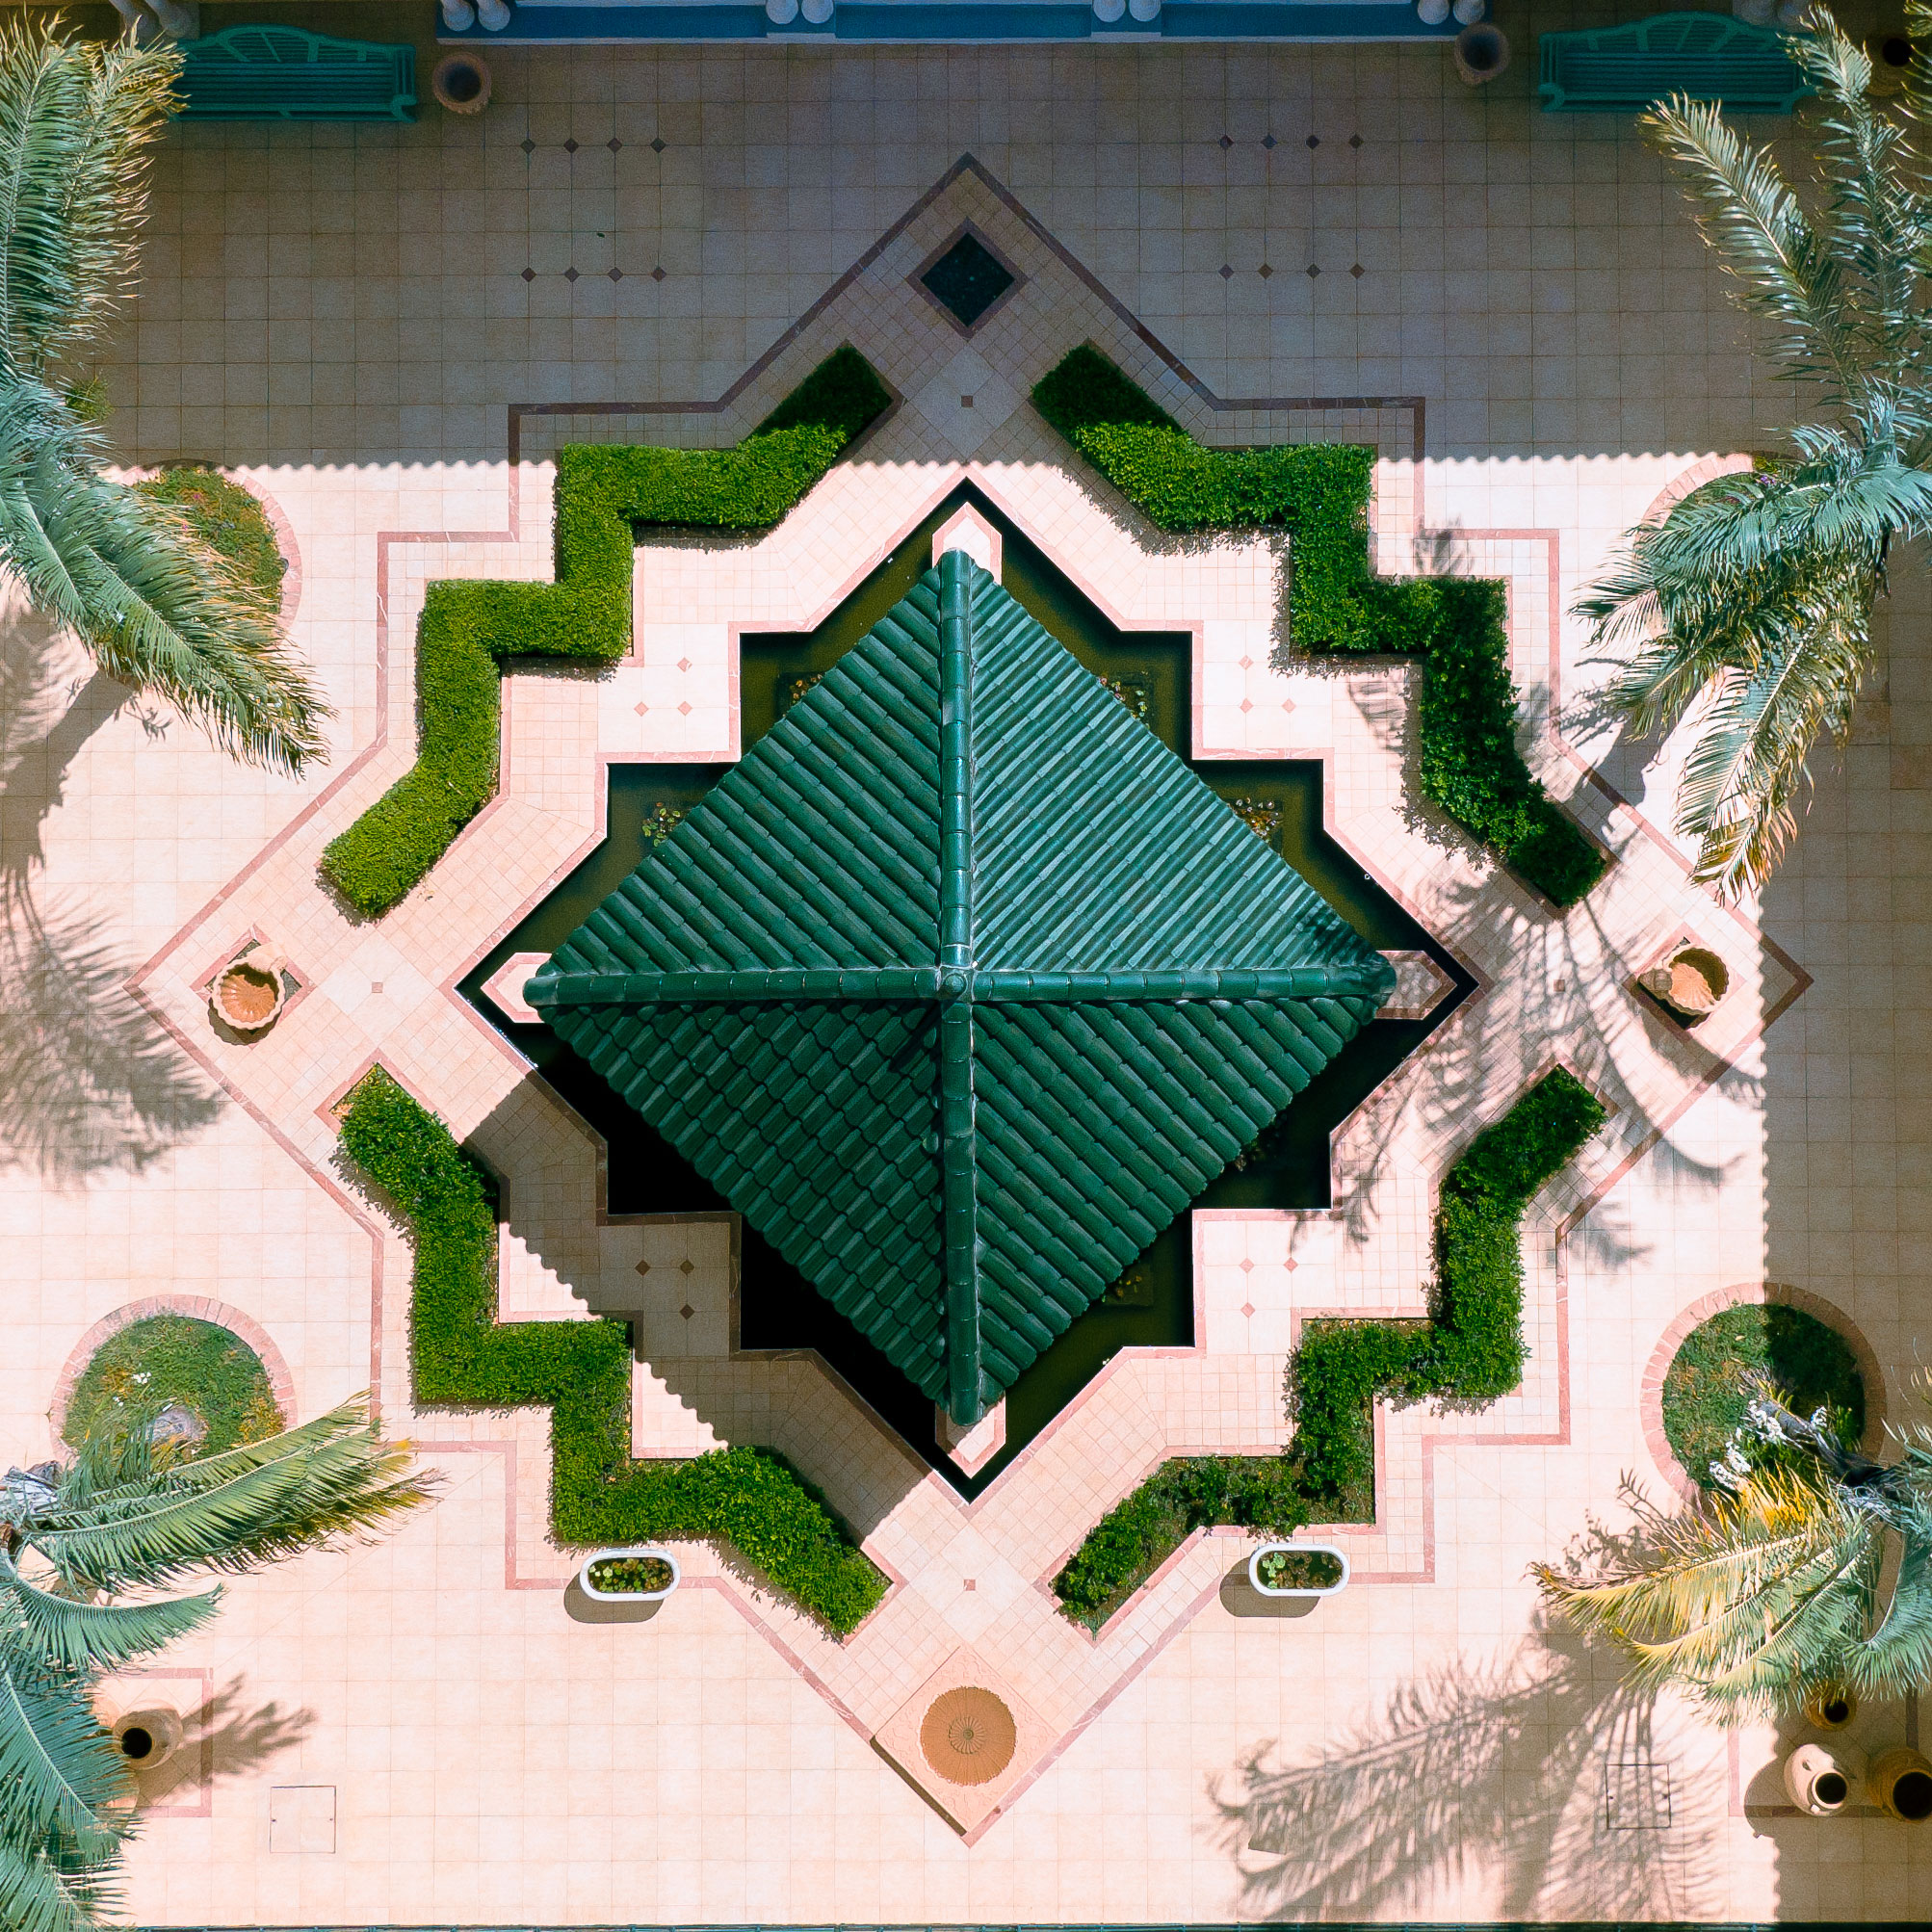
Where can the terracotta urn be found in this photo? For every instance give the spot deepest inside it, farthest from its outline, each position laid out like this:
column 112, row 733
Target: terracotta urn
column 1481, row 53
column 1824, row 1779
column 1830, row 1708
column 1900, row 1781
column 147, row 1738
column 460, row 83
column 250, row 993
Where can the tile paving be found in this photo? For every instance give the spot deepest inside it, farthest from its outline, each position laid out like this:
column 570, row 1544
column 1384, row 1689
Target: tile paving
column 320, row 311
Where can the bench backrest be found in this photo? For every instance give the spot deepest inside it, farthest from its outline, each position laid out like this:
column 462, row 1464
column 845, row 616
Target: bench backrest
column 1707, row 55
column 285, row 73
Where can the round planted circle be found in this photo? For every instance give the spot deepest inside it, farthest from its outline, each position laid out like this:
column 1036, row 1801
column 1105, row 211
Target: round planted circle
column 195, row 1384
column 1708, row 1384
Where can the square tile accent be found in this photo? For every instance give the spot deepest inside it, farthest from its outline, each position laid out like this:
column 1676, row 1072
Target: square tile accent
column 966, row 402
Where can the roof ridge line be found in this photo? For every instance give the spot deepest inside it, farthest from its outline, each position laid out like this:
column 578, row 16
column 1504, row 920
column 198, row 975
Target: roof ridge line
column 958, row 1149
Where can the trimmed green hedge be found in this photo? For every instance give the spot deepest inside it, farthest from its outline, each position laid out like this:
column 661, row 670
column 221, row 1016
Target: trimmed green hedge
column 470, row 628
column 1318, row 493
column 462, row 1356
column 1471, row 1349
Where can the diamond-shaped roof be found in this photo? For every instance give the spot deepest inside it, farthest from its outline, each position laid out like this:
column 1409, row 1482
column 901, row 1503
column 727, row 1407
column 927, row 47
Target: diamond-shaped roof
column 959, row 986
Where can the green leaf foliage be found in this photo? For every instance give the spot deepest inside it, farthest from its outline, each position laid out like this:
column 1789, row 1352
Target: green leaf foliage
column 1471, row 1349
column 1318, row 493
column 462, row 1356
column 470, row 628
column 228, row 519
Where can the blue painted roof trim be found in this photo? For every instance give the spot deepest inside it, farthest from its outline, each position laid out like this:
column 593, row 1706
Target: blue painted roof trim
column 856, row 23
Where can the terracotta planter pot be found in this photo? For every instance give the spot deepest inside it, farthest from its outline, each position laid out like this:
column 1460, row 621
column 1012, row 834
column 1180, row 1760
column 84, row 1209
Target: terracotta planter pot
column 250, row 994
column 460, row 83
column 1830, row 1709
column 147, row 1738
column 1900, row 1781
column 1690, row 984
column 1824, row 1779
column 1481, row 53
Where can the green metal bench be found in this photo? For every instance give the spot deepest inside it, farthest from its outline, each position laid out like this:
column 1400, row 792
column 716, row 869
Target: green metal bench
column 283, row 73
column 1707, row 55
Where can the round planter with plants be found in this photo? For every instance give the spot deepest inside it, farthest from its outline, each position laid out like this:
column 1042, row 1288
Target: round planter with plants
column 197, row 1384
column 1711, row 1379
column 228, row 518
column 643, row 1574
column 1297, row 1570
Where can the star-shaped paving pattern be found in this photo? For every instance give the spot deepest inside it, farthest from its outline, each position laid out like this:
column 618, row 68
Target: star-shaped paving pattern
column 961, row 986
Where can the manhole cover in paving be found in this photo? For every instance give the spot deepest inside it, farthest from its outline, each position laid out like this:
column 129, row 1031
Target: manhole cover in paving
column 968, row 1736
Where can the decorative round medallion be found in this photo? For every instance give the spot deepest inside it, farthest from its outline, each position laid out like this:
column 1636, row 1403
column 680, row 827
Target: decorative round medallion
column 968, row 1736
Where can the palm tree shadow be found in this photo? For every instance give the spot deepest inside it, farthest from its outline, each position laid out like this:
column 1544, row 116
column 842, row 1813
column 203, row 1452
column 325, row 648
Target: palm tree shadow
column 1532, row 1781
column 89, row 1079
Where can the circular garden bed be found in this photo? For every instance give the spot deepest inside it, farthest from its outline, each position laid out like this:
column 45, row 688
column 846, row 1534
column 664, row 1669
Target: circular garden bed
column 228, row 519
column 198, row 1384
column 1708, row 1386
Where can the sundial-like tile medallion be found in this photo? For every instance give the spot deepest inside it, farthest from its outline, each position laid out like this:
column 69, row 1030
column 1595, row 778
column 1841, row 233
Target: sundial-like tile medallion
column 959, row 986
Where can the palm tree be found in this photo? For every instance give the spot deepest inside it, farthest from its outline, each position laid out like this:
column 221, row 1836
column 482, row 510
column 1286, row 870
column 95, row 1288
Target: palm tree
column 1749, row 604
column 75, row 1539
column 154, row 605
column 1755, row 1599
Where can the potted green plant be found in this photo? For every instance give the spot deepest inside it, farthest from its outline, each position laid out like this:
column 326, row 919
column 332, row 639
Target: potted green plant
column 641, row 1573
column 1297, row 1570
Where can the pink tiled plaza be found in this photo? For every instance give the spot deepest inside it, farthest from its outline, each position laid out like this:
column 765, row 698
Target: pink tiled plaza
column 373, row 326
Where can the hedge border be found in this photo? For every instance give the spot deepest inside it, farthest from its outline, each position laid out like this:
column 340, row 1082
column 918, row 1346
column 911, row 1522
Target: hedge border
column 462, row 1356
column 470, row 628
column 1469, row 1349
column 1318, row 494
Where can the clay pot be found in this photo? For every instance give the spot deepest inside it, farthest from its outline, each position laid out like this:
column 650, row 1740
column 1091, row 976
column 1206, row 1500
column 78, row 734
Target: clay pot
column 1824, row 1779
column 1481, row 53
column 1690, row 984
column 248, row 994
column 1900, row 1780
column 1891, row 54
column 147, row 1738
column 460, row 83
column 1830, row 1708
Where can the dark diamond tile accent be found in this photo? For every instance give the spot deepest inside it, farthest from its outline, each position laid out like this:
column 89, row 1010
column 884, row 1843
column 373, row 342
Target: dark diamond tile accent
column 1268, row 141
column 1227, row 142
column 570, row 146
column 528, row 145
column 1354, row 141
column 613, row 145
column 1358, row 271
column 530, row 274
column 1264, row 271
column 968, row 279
column 658, row 146
column 1227, row 273
column 687, row 1311
column 1314, row 141
column 617, row 275
column 685, row 1265
column 1313, row 272
column 570, row 274
column 657, row 275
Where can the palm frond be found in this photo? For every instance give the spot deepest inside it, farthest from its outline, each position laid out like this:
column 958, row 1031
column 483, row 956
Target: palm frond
column 60, row 1774
column 43, row 1889
column 77, row 126
column 1895, row 1660
column 156, row 608
column 303, row 1489
column 71, row 1635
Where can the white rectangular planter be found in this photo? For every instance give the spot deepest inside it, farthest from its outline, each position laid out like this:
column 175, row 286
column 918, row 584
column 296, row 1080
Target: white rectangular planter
column 1299, row 1550
column 596, row 1595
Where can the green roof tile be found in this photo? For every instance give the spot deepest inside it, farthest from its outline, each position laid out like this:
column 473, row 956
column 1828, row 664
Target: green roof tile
column 959, row 986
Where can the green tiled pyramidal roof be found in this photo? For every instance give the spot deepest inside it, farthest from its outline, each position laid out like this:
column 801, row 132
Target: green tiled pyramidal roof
column 959, row 986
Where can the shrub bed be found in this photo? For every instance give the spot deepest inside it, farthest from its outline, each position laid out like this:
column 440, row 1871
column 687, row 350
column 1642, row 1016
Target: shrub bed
column 1709, row 1382
column 1469, row 1349
column 1318, row 494
column 460, row 1355
column 470, row 628
column 175, row 1362
column 228, row 518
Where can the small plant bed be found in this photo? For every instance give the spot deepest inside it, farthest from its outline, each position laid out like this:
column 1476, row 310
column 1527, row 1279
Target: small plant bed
column 462, row 1357
column 629, row 1575
column 228, row 519
column 192, row 1383
column 1715, row 1371
column 1308, row 1569
column 1469, row 1349
column 469, row 629
column 1318, row 494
